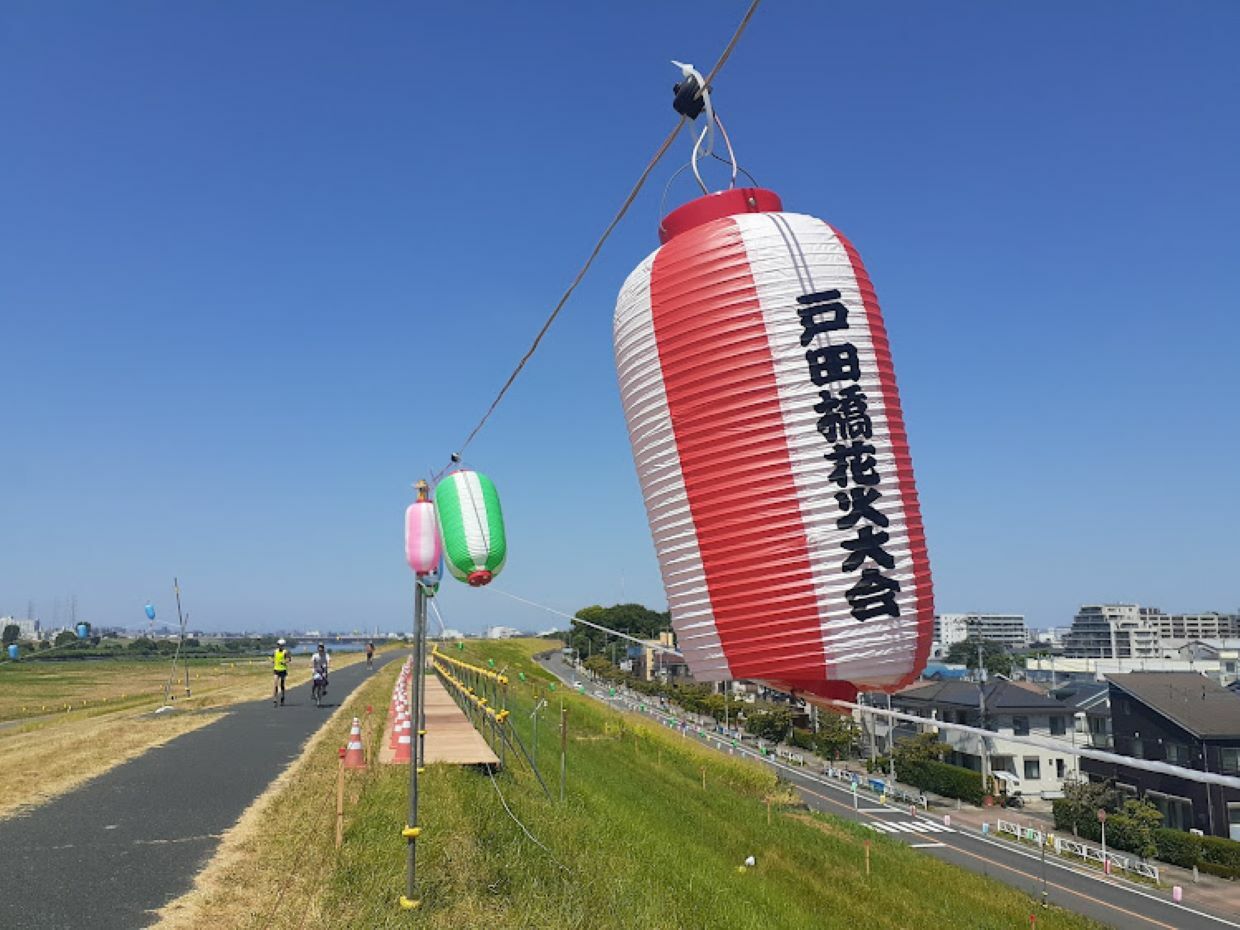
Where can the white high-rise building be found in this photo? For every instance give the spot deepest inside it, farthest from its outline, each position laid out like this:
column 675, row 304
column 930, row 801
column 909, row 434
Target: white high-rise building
column 1113, row 631
column 1008, row 629
column 1196, row 626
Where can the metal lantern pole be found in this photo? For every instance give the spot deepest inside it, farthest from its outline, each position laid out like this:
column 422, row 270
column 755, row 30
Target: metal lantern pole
column 412, row 830
column 421, row 759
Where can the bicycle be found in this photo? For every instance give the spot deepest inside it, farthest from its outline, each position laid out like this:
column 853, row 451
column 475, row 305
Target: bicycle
column 318, row 688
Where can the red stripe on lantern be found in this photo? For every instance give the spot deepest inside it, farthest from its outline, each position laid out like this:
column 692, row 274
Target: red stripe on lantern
column 724, row 407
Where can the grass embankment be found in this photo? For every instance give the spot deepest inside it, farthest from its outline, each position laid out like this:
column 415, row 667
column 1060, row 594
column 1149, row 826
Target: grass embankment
column 71, row 721
column 638, row 842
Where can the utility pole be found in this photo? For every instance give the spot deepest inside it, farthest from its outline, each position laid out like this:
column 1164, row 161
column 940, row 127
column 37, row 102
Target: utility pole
column 873, row 728
column 176, row 587
column 981, row 704
column 891, row 741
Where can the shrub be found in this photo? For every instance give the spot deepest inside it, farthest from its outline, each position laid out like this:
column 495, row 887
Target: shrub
column 1214, row 854
column 1219, row 856
column 802, row 739
column 1176, row 847
column 1132, row 829
column 951, row 781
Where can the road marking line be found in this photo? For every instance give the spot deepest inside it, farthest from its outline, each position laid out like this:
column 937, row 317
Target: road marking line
column 925, row 845
column 1032, row 877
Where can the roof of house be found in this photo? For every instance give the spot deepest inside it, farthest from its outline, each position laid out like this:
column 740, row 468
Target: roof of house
column 1084, row 695
column 1001, row 696
column 1198, row 704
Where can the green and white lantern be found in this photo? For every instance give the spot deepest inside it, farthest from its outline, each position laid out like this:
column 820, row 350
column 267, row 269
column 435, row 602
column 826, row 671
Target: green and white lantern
column 471, row 527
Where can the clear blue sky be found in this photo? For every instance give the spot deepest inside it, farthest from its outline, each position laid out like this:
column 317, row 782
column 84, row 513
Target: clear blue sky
column 263, row 265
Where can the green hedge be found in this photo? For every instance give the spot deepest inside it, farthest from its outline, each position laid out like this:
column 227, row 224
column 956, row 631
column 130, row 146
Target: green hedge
column 1219, row 856
column 1214, row 854
column 951, row 781
column 802, row 739
column 1177, row 847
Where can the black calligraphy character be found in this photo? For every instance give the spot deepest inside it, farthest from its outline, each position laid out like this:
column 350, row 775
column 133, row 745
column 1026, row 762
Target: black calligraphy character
column 833, row 363
column 855, row 461
column 867, row 545
column 857, row 504
column 820, row 315
column 844, row 417
column 873, row 595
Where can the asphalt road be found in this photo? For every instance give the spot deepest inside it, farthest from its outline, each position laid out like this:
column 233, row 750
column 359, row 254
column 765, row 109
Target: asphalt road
column 122, row 845
column 1109, row 901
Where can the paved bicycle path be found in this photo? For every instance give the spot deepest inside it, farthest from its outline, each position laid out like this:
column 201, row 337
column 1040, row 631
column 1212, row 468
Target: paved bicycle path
column 124, row 844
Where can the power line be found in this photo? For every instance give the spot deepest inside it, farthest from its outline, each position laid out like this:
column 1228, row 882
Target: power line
column 624, row 208
column 576, row 619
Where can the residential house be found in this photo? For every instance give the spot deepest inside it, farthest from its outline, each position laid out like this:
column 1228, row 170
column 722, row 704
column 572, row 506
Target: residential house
column 1090, row 703
column 1185, row 719
column 1006, row 708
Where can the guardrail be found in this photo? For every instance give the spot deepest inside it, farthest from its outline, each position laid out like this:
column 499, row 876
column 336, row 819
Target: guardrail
column 1064, row 846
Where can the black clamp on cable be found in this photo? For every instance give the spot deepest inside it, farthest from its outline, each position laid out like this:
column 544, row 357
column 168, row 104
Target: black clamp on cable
column 688, row 100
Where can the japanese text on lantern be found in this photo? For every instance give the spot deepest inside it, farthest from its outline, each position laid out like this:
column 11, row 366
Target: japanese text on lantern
column 844, row 421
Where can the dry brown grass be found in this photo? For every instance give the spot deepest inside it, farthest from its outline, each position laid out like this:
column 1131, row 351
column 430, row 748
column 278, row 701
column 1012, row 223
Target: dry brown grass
column 36, row 689
column 40, row 764
column 53, row 754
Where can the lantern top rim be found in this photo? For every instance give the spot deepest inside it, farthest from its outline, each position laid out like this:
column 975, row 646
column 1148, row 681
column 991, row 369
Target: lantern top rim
column 715, row 206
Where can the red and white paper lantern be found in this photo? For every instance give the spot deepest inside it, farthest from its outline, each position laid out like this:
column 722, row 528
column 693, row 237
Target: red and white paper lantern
column 761, row 402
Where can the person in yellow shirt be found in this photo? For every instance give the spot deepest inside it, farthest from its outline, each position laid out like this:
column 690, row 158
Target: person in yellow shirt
column 279, row 664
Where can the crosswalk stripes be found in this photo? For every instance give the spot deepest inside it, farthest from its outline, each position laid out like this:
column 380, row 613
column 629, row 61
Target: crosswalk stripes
column 908, row 826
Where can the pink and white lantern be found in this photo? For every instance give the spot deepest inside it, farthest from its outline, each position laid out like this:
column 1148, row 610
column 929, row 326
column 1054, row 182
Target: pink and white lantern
column 423, row 549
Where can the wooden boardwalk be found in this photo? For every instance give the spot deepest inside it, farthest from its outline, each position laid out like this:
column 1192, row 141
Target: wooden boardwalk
column 450, row 737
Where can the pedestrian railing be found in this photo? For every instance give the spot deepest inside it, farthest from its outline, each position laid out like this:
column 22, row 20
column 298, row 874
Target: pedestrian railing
column 1064, row 846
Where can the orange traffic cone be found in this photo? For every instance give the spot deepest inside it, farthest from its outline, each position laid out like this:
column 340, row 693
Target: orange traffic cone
column 401, row 726
column 355, row 757
column 404, row 750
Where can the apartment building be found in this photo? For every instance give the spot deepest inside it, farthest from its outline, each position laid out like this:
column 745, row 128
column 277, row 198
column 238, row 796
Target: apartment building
column 1113, row 631
column 1008, row 629
column 1196, row 626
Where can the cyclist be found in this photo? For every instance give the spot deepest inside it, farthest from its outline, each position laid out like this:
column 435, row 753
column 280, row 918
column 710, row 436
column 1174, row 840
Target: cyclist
column 318, row 669
column 279, row 665
column 370, row 655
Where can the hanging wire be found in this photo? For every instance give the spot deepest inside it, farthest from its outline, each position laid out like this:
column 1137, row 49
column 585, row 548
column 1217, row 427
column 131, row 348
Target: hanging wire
column 704, row 146
column 443, row 630
column 576, row 619
column 598, row 246
column 667, row 188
